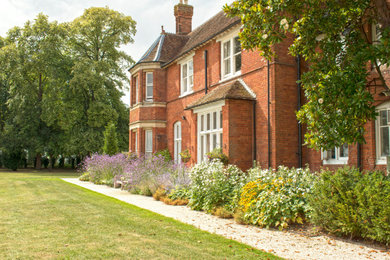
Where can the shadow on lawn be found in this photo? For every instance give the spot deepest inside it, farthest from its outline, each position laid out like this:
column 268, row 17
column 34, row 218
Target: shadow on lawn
column 57, row 173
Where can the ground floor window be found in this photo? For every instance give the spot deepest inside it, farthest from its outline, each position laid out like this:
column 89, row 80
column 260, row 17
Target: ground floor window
column 148, row 143
column 383, row 133
column 337, row 155
column 136, row 142
column 177, row 141
column 209, row 132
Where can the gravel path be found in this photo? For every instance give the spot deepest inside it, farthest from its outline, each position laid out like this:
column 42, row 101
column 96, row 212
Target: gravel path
column 284, row 244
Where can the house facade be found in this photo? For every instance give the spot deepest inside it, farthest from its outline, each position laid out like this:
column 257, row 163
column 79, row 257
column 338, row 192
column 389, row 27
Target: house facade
column 197, row 90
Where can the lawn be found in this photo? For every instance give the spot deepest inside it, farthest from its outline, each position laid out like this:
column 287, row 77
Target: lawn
column 42, row 216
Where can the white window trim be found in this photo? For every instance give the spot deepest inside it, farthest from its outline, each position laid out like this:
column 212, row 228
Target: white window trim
column 136, row 89
column 177, row 137
column 148, row 151
column 136, row 142
column 149, row 97
column 229, row 38
column 380, row 160
column 190, row 88
column 338, row 160
column 209, row 109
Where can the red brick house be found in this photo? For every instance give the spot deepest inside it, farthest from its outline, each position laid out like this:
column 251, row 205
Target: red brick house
column 198, row 90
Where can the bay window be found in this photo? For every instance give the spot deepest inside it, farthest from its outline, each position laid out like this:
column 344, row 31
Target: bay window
column 209, row 132
column 148, row 143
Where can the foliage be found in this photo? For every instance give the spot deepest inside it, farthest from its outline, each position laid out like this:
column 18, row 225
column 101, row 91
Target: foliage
column 185, row 156
column 217, row 154
column 12, row 160
column 276, row 197
column 110, row 140
column 331, row 37
column 353, row 203
column 103, row 168
column 164, row 153
column 214, row 185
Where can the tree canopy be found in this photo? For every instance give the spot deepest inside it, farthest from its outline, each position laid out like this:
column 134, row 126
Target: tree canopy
column 60, row 84
column 334, row 38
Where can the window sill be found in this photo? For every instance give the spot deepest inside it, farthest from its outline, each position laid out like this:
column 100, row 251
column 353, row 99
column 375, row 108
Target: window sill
column 381, row 162
column 229, row 77
column 186, row 94
column 335, row 162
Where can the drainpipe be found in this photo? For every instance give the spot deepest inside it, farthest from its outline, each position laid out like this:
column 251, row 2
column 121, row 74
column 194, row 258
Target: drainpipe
column 359, row 156
column 299, row 107
column 205, row 71
column 269, row 114
column 254, row 150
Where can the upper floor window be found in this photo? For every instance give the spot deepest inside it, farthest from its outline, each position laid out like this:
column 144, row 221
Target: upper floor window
column 136, row 90
column 187, row 77
column 383, row 133
column 231, row 57
column 149, row 86
column 337, row 155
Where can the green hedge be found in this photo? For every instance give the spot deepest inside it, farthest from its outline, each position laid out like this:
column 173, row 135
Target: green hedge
column 349, row 202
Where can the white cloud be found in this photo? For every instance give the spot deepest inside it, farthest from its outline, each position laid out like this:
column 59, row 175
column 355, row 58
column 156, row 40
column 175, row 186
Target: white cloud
column 149, row 15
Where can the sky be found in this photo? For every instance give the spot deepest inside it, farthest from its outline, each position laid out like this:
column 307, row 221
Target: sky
column 150, row 15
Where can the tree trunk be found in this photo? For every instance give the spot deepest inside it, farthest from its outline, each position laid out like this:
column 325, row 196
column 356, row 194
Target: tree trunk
column 383, row 11
column 39, row 162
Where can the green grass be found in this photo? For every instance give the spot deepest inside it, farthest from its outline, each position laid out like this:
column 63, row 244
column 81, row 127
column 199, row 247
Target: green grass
column 42, row 216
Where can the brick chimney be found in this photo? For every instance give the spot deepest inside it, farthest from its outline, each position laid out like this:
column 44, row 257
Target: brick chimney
column 183, row 14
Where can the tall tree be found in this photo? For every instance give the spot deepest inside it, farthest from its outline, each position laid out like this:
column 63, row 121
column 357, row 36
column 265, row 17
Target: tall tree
column 110, row 140
column 332, row 37
column 98, row 77
column 33, row 58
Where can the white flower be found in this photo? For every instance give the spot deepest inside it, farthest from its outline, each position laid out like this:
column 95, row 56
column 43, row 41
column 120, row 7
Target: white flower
column 284, row 24
column 265, row 36
column 320, row 100
column 320, row 37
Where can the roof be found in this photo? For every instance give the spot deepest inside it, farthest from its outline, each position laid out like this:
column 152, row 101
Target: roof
column 233, row 90
column 168, row 46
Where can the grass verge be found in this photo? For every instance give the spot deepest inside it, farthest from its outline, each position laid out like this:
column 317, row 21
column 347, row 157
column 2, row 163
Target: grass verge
column 42, row 216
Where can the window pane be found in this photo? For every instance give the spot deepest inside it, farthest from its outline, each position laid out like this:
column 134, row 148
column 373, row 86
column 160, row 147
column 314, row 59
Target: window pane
column 185, row 85
column 237, row 62
column 237, row 45
column 332, row 153
column 201, row 147
column 214, row 141
column 226, row 49
column 383, row 117
column 220, row 141
column 208, row 122
column 385, row 141
column 220, row 120
column 207, row 143
column 344, row 150
column 149, row 92
column 227, row 66
column 184, row 70
column 214, row 120
column 202, row 123
column 148, row 141
column 149, row 78
column 190, row 68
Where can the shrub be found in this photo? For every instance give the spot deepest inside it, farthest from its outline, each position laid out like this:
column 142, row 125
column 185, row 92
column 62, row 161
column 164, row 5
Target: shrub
column 164, row 153
column 214, row 185
column 217, row 154
column 349, row 202
column 11, row 160
column 110, row 140
column 103, row 168
column 275, row 198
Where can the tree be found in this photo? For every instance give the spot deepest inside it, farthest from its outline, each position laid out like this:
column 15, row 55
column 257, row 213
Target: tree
column 32, row 59
column 332, row 37
column 110, row 140
column 98, row 75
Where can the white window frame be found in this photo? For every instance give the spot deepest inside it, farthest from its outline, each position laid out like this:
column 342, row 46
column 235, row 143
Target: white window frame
column 136, row 142
column 338, row 160
column 381, row 160
column 207, row 134
column 136, row 89
column 231, row 58
column 177, row 141
column 187, row 77
column 149, row 96
column 148, row 140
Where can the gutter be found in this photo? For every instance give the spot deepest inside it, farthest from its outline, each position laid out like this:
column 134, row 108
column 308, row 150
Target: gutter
column 299, row 90
column 269, row 114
